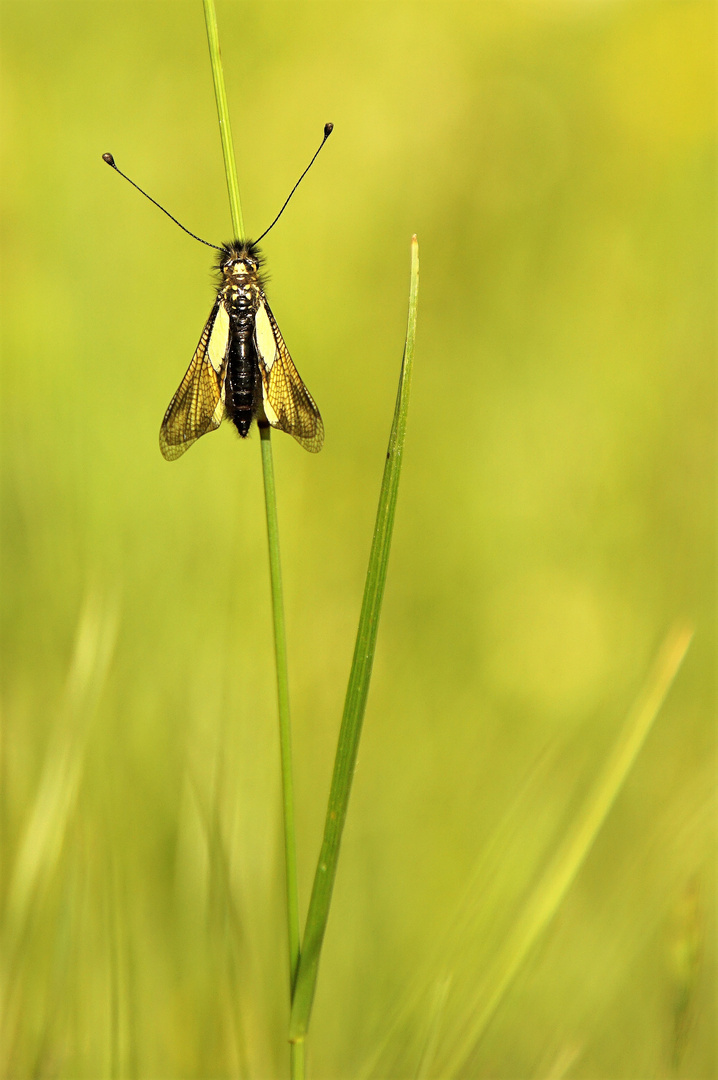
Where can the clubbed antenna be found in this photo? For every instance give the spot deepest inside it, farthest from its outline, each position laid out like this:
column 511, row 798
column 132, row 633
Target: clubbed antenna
column 111, row 161
column 328, row 128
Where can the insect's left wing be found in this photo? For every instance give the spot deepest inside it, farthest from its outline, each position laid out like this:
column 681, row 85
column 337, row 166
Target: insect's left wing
column 288, row 405
column 198, row 405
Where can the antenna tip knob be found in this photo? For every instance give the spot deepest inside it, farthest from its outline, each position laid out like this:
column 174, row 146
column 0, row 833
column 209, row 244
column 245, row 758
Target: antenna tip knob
column 109, row 159
column 328, row 129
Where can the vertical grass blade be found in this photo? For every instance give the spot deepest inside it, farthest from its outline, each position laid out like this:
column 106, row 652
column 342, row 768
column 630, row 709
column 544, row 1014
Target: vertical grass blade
column 358, row 688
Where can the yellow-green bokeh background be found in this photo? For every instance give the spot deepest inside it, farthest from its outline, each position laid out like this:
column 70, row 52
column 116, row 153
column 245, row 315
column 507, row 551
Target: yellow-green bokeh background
column 555, row 519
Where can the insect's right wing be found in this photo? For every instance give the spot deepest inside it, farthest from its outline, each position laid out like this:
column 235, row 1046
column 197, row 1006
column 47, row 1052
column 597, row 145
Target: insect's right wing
column 288, row 405
column 198, row 405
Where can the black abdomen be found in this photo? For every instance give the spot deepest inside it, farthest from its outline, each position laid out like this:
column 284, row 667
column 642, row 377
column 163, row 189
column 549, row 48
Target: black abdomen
column 241, row 384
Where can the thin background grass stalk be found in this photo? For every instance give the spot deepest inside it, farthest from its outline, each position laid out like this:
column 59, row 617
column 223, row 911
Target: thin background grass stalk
column 280, row 640
column 45, row 836
column 546, row 898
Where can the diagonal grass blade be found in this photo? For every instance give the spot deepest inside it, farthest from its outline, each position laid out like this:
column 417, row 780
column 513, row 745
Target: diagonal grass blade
column 358, row 688
column 550, row 891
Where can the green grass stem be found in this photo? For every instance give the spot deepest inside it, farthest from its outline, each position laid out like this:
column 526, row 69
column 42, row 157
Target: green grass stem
column 280, row 636
column 280, row 648
column 225, row 129
column 358, row 688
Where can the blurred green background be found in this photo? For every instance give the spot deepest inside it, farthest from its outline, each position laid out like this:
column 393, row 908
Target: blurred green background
column 556, row 518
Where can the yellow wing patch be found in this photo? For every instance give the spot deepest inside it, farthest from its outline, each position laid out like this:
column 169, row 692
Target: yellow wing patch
column 264, row 337
column 288, row 405
column 198, row 405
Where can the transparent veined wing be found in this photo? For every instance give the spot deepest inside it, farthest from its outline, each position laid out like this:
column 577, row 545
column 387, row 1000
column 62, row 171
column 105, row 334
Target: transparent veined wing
column 288, row 405
column 198, row 405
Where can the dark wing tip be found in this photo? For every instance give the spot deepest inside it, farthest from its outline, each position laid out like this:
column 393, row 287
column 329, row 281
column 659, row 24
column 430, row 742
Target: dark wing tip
column 171, row 450
column 312, row 441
